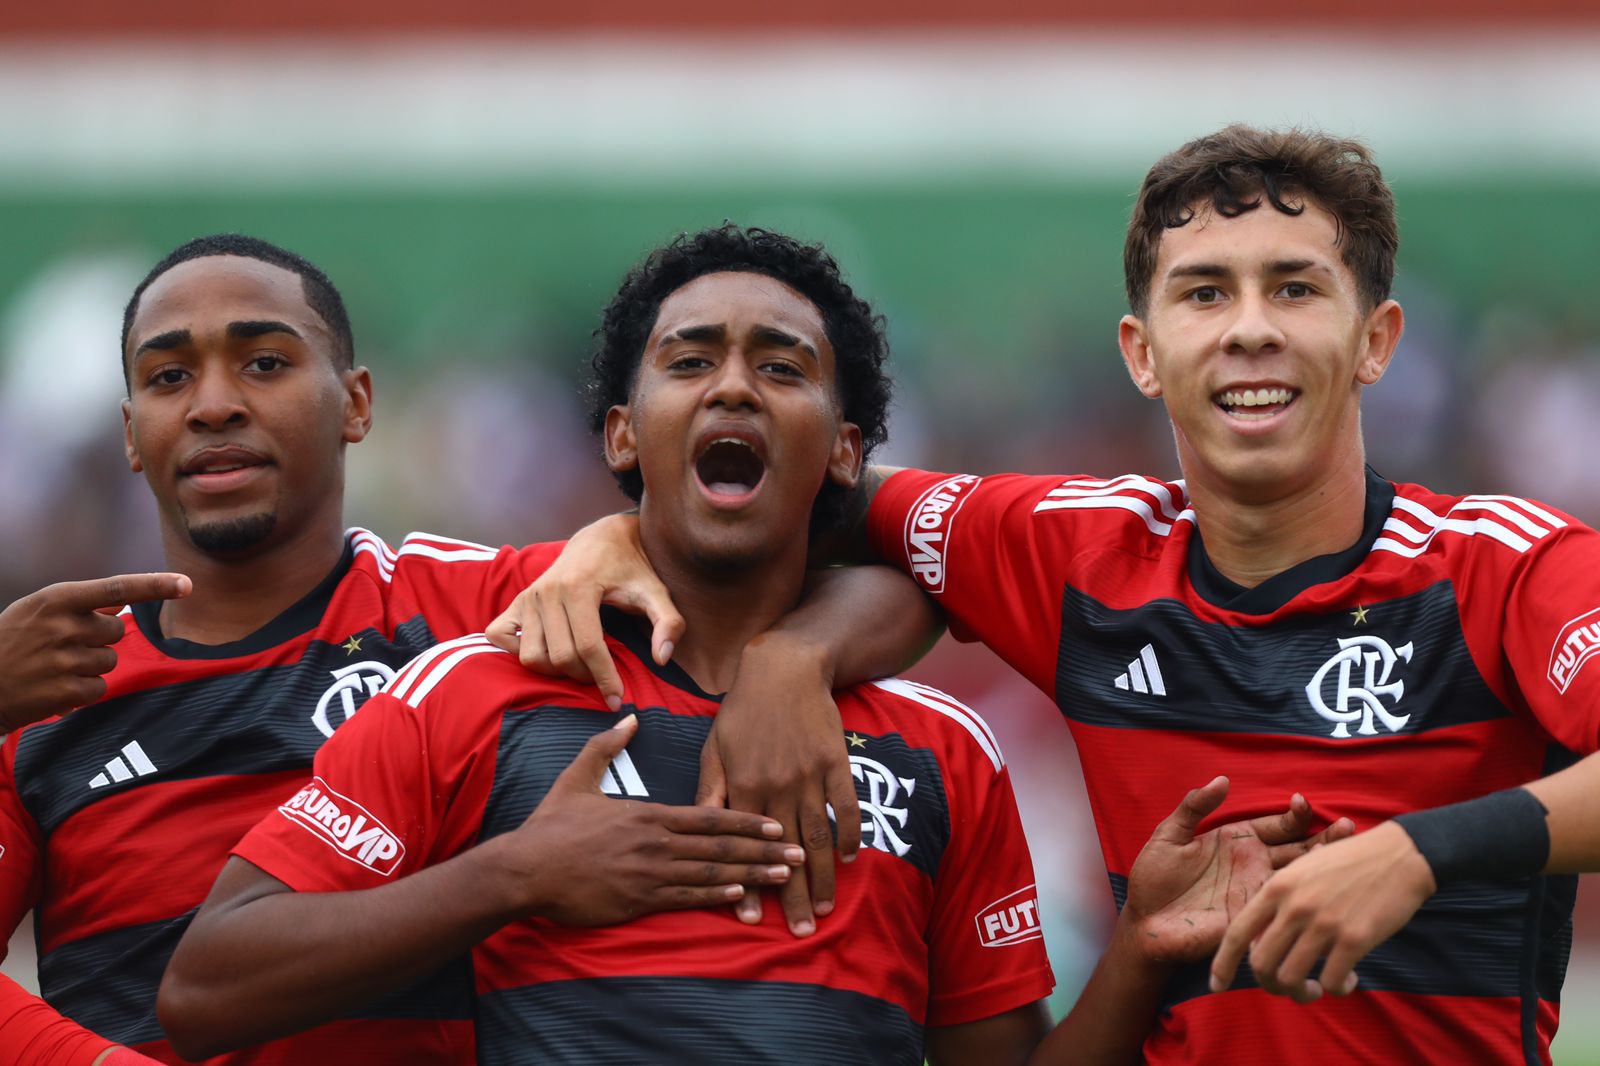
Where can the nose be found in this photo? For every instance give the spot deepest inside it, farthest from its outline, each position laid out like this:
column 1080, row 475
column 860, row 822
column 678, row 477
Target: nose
column 1254, row 328
column 734, row 383
column 216, row 402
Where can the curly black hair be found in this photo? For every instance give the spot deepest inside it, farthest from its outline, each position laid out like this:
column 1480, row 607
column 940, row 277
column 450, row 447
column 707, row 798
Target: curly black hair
column 321, row 294
column 856, row 333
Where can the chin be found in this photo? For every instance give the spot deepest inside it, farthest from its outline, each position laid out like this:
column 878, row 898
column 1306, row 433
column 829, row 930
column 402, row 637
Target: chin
column 733, row 555
column 232, row 536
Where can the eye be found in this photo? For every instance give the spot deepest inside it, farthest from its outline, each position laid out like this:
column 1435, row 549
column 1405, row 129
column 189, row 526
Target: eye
column 1297, row 290
column 783, row 368
column 689, row 362
column 167, row 376
column 266, row 363
column 1207, row 294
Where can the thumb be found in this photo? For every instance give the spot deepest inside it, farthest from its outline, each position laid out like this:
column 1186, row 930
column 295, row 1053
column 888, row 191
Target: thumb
column 589, row 768
column 1179, row 826
column 713, row 790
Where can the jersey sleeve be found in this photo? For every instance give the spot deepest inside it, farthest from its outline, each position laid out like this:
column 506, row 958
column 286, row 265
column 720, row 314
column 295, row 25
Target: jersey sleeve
column 400, row 787
column 21, row 873
column 986, row 946
column 972, row 543
column 1550, row 627
column 460, row 587
column 33, row 1034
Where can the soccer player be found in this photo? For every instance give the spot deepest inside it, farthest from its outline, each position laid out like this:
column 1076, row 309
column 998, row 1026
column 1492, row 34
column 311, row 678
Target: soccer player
column 739, row 384
column 228, row 674
column 1286, row 614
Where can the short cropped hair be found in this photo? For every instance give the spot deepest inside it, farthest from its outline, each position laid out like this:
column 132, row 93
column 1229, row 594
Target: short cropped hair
column 321, row 294
column 856, row 333
column 1233, row 170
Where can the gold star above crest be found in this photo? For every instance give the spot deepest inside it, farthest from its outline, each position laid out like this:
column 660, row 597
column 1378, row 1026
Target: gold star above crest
column 857, row 740
column 1359, row 614
column 352, row 645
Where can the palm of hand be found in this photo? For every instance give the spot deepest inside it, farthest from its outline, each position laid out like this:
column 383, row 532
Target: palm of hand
column 1182, row 895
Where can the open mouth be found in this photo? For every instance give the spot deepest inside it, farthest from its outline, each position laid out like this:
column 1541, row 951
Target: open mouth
column 730, row 468
column 1255, row 404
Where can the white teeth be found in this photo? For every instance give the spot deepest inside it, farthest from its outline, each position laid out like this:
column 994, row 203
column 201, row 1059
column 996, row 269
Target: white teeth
column 1255, row 397
column 730, row 440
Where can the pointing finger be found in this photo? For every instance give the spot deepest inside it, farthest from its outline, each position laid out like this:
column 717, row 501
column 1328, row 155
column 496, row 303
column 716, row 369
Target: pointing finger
column 114, row 593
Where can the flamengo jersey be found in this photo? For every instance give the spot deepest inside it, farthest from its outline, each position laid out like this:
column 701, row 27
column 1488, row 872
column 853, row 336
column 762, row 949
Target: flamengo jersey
column 1444, row 656
column 116, row 819
column 936, row 922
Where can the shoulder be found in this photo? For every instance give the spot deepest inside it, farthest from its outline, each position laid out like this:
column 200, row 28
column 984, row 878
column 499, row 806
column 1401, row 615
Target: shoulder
column 1131, row 500
column 1426, row 523
column 471, row 670
column 922, row 711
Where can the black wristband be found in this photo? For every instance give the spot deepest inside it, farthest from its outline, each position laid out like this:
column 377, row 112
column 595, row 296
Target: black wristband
column 1498, row 837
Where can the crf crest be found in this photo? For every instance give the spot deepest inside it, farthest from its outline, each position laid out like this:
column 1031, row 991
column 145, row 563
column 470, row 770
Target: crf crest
column 1360, row 682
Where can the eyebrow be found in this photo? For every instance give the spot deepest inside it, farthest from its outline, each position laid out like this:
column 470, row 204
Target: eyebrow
column 259, row 328
column 767, row 335
column 180, row 338
column 165, row 342
column 1217, row 270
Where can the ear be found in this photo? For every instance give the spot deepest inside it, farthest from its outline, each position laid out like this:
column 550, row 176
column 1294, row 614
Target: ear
column 129, row 447
column 1134, row 340
column 622, row 449
column 844, row 461
column 1381, row 332
column 357, row 404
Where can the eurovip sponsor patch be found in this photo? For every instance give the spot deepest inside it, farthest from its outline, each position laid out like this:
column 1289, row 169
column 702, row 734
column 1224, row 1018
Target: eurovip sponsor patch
column 346, row 826
column 1010, row 919
column 1578, row 640
column 928, row 528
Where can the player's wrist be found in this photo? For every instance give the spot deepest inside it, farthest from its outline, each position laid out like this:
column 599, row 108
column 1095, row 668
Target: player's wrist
column 791, row 653
column 1134, row 949
column 1498, row 837
column 507, row 884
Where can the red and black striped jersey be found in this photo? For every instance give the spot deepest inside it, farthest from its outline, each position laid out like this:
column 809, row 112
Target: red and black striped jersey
column 116, row 818
column 936, row 922
column 1438, row 659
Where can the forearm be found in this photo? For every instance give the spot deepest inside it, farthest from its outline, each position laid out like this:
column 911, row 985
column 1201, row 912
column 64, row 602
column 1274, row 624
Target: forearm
column 1108, row 1024
column 1572, row 798
column 855, row 624
column 241, row 975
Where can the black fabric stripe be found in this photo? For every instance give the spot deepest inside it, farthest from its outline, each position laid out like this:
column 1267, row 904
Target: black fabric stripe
column 1470, row 939
column 622, row 1021
column 301, row 617
column 1278, row 590
column 536, row 745
column 108, row 983
column 256, row 722
column 1238, row 679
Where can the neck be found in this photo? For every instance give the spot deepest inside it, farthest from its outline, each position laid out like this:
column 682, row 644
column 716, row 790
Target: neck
column 722, row 610
column 233, row 598
column 1251, row 540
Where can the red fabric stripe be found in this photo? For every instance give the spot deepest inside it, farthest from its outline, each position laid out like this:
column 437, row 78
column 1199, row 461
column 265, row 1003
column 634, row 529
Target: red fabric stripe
column 350, row 1043
column 1136, row 779
column 153, row 851
column 871, row 944
column 1252, row 1028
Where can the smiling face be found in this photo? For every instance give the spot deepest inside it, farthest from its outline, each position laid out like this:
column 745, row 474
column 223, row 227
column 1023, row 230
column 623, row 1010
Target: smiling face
column 237, row 411
column 1257, row 339
column 733, row 422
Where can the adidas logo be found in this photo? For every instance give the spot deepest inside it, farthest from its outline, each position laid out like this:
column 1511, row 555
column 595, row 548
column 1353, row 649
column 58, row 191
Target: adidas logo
column 1144, row 674
column 117, row 770
column 622, row 778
